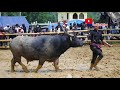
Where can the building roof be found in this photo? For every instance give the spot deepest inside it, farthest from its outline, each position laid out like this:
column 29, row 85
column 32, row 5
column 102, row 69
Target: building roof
column 13, row 20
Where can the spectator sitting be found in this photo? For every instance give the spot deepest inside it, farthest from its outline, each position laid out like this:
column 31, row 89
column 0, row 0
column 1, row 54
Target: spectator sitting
column 53, row 29
column 83, row 26
column 24, row 28
column 16, row 27
column 2, row 29
column 37, row 29
column 58, row 30
column 66, row 27
column 71, row 27
column 30, row 29
column 47, row 30
column 12, row 31
column 2, row 37
column 115, row 38
column 20, row 30
column 59, row 26
column 44, row 30
column 74, row 26
column 7, row 28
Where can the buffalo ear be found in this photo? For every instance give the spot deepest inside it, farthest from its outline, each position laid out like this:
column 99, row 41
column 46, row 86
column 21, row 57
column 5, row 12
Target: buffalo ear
column 75, row 34
column 66, row 32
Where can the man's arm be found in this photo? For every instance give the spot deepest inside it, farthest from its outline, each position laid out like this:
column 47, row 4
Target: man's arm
column 104, row 42
column 90, row 35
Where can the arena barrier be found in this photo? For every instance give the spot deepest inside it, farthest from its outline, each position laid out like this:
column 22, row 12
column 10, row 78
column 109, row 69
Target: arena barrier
column 54, row 33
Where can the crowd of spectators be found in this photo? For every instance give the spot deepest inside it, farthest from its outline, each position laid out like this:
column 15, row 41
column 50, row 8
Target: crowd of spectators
column 37, row 29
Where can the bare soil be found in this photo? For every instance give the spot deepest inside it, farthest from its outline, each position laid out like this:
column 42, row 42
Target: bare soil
column 74, row 63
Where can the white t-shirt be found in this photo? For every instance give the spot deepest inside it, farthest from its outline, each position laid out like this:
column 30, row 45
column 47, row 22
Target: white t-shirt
column 58, row 31
column 19, row 30
column 53, row 30
column 116, row 27
column 6, row 28
column 68, row 27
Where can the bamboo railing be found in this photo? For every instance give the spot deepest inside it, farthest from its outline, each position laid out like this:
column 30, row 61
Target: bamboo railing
column 54, row 33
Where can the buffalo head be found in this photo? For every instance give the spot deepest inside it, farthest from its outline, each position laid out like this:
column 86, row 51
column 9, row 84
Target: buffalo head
column 75, row 41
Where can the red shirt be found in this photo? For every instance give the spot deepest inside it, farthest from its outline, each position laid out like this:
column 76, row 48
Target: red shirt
column 3, row 34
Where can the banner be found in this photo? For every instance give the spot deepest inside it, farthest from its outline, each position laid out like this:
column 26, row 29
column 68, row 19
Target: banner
column 100, row 24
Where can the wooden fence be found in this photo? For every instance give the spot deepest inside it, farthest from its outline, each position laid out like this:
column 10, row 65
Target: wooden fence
column 54, row 33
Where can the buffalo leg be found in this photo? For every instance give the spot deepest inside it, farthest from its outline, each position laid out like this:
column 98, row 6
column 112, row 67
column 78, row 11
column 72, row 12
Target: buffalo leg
column 12, row 65
column 56, row 62
column 23, row 67
column 40, row 64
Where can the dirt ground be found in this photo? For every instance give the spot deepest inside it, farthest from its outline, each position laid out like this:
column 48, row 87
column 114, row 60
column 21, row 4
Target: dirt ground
column 74, row 63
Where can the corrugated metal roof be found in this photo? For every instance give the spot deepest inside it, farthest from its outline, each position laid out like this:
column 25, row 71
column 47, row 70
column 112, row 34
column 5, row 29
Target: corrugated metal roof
column 12, row 20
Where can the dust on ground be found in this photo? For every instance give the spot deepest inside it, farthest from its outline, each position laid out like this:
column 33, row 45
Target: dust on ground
column 74, row 63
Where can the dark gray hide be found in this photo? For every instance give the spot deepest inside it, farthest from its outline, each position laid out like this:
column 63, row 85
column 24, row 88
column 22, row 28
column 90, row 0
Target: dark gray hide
column 42, row 48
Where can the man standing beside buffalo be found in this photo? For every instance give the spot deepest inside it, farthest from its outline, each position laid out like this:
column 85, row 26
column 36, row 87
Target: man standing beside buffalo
column 95, row 45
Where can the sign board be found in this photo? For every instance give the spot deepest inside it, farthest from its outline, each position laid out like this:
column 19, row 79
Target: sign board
column 88, row 21
column 100, row 24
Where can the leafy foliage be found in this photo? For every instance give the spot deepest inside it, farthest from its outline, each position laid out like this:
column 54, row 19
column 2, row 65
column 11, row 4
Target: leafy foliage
column 94, row 15
column 42, row 17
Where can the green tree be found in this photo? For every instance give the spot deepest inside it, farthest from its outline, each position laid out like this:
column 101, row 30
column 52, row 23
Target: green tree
column 94, row 15
column 40, row 17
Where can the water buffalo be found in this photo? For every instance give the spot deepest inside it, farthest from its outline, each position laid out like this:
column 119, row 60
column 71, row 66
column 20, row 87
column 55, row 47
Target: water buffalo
column 42, row 48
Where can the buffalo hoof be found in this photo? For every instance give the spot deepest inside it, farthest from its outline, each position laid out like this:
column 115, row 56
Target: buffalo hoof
column 59, row 70
column 27, row 71
column 35, row 71
column 96, row 68
column 12, row 70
